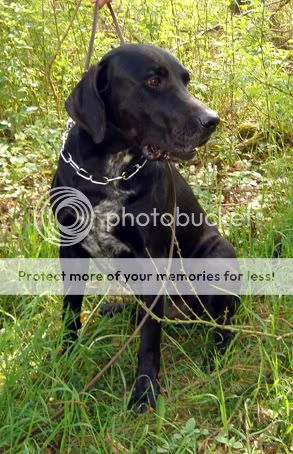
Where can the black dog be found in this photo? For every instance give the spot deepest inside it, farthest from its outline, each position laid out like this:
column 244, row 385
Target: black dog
column 134, row 105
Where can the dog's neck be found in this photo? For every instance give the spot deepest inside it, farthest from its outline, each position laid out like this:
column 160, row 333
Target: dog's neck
column 114, row 142
column 110, row 158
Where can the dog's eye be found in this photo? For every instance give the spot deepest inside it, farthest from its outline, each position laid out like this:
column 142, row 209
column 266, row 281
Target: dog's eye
column 154, row 82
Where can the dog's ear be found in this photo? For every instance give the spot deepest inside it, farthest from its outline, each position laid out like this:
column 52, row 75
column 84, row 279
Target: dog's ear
column 85, row 105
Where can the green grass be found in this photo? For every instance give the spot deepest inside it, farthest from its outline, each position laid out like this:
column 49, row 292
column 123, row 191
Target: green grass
column 240, row 65
column 244, row 403
column 243, row 406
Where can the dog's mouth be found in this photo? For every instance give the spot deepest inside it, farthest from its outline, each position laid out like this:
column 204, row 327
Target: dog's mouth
column 154, row 153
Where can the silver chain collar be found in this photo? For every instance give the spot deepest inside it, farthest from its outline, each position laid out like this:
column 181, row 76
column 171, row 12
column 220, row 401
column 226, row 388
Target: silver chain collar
column 84, row 173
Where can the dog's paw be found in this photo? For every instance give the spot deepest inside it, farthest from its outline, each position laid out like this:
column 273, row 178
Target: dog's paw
column 111, row 309
column 209, row 362
column 221, row 343
column 68, row 343
column 222, row 340
column 144, row 395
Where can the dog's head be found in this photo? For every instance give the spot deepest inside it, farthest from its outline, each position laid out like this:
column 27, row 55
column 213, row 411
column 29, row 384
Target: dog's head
column 142, row 91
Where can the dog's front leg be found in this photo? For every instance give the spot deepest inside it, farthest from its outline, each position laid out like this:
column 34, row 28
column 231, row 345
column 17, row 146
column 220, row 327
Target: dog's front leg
column 72, row 269
column 146, row 386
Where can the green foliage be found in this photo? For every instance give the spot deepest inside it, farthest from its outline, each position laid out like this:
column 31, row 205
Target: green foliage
column 234, row 60
column 240, row 65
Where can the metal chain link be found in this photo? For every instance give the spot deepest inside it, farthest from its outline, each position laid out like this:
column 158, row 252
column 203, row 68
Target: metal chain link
column 84, row 173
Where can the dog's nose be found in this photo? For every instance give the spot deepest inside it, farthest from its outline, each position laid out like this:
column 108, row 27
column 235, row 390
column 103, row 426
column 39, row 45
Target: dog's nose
column 209, row 119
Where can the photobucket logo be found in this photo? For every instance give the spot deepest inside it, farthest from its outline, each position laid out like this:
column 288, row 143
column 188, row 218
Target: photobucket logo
column 155, row 218
column 181, row 219
column 63, row 216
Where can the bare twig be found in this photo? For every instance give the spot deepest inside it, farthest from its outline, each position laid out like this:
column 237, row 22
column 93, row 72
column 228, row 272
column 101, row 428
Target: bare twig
column 63, row 38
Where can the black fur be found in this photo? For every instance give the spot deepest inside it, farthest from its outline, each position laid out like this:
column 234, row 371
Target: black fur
column 116, row 108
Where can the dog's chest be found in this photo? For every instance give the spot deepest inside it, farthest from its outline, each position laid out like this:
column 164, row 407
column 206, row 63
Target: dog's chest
column 101, row 240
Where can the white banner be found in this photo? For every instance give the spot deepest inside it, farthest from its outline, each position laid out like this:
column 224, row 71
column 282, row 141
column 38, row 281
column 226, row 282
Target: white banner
column 146, row 276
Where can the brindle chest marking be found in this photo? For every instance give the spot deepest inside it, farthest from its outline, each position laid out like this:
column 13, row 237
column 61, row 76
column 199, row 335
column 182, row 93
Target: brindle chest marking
column 101, row 240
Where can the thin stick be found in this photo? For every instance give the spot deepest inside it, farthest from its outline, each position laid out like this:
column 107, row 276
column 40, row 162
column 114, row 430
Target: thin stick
column 116, row 24
column 61, row 41
column 92, row 39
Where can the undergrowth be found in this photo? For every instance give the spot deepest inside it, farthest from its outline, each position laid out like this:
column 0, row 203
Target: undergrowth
column 240, row 65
